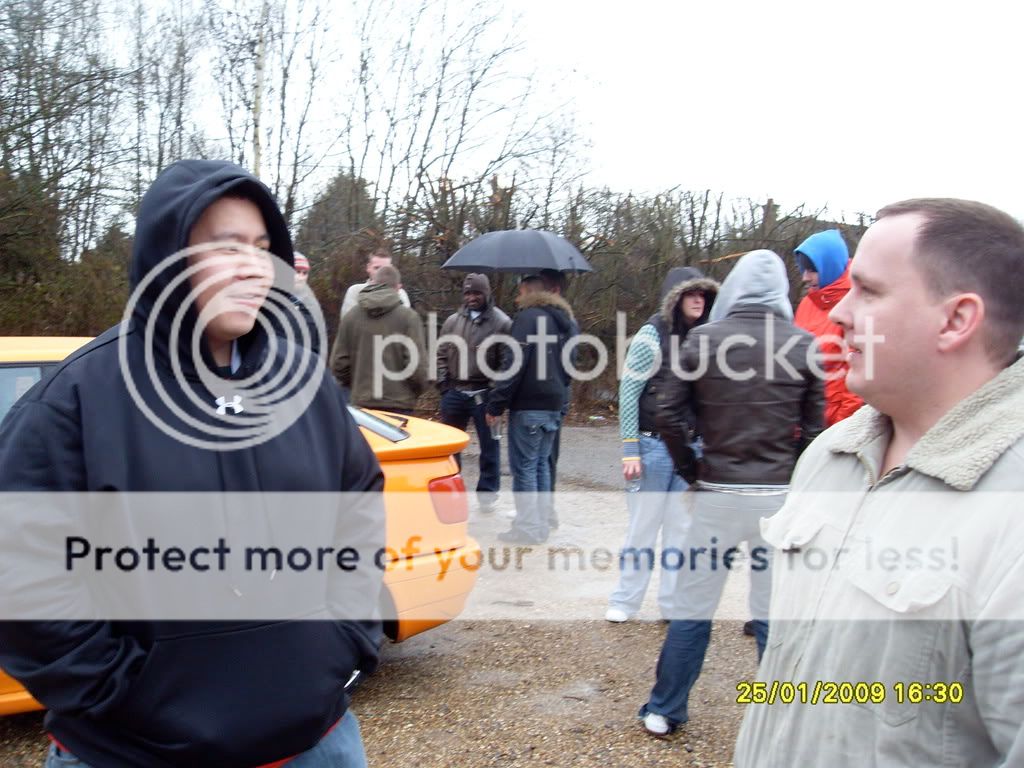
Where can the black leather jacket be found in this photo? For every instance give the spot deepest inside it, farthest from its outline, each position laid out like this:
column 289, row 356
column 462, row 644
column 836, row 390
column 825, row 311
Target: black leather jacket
column 755, row 428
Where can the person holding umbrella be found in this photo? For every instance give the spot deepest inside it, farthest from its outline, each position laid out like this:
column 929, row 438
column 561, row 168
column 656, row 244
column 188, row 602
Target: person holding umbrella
column 533, row 386
column 545, row 258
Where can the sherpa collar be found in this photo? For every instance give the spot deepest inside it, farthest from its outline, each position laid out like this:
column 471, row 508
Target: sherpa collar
column 545, row 299
column 964, row 444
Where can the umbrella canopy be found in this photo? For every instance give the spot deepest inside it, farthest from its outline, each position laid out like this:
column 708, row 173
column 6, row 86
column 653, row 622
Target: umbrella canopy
column 522, row 251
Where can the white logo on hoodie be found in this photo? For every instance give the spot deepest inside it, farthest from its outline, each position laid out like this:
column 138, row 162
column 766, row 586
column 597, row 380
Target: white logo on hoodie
column 235, row 405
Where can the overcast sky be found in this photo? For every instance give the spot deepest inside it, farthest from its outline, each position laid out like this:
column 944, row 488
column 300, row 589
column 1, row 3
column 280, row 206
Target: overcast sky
column 853, row 104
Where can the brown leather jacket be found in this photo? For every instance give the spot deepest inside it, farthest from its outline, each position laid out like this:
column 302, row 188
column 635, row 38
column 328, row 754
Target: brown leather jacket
column 491, row 321
column 753, row 429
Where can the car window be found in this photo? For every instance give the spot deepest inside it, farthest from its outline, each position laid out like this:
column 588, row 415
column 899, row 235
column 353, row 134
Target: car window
column 15, row 381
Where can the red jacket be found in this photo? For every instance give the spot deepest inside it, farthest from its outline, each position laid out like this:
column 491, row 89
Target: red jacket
column 812, row 316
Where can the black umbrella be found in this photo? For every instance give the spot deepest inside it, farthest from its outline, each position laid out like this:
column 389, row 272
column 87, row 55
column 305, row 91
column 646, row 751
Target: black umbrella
column 523, row 251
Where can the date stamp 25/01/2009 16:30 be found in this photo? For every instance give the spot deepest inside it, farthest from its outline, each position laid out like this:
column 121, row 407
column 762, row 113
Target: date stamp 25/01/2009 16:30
column 831, row 692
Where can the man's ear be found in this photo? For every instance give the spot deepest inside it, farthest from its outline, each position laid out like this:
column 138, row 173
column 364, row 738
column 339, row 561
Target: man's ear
column 965, row 314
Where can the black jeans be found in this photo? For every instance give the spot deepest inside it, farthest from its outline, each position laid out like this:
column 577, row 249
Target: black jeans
column 457, row 408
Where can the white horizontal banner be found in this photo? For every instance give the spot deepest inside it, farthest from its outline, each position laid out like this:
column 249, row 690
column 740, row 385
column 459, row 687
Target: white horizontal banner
column 876, row 556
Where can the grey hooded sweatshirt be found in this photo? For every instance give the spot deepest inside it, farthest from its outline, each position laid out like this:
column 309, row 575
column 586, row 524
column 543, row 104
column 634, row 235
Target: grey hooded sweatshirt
column 749, row 382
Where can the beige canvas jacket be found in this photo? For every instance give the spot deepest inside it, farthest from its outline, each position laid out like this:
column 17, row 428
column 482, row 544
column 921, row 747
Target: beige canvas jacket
column 897, row 584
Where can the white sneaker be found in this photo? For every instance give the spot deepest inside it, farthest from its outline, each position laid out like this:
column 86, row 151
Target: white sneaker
column 616, row 615
column 656, row 725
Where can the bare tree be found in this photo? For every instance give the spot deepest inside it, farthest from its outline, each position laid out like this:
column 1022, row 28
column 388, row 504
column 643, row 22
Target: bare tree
column 59, row 101
column 163, row 75
column 270, row 66
column 436, row 110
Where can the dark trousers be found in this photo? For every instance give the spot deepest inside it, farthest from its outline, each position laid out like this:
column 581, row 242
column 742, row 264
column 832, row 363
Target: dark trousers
column 553, row 461
column 457, row 408
column 553, row 464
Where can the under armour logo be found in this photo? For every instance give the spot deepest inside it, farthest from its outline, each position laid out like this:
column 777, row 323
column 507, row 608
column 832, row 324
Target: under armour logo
column 235, row 405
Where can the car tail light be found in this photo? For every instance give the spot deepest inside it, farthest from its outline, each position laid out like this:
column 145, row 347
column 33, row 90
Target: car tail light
column 448, row 494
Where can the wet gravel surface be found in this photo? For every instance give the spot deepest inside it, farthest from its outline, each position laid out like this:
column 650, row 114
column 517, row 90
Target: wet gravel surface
column 525, row 692
column 550, row 693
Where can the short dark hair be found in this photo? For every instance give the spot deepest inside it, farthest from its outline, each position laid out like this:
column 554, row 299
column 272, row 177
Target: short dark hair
column 964, row 245
column 553, row 280
column 379, row 253
column 532, row 283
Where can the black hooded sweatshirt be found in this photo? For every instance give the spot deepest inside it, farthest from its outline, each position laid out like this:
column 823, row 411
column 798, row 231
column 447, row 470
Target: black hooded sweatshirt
column 166, row 694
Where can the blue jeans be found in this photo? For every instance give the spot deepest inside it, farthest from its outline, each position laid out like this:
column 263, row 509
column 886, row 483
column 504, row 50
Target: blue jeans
column 657, row 506
column 457, row 408
column 720, row 520
column 341, row 748
column 531, row 435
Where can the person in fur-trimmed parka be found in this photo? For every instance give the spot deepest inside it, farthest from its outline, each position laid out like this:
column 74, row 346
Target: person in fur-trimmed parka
column 533, row 386
column 687, row 297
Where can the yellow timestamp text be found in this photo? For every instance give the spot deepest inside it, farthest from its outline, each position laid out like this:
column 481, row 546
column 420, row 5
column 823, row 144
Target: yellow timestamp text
column 832, row 692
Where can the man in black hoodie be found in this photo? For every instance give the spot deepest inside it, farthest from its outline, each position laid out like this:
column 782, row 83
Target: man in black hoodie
column 186, row 395
column 533, row 387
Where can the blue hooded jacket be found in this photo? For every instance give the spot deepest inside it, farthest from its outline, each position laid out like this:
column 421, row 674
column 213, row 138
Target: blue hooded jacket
column 828, row 254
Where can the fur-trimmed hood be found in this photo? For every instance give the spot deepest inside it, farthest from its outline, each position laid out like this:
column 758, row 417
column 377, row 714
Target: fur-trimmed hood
column 542, row 299
column 964, row 444
column 669, row 310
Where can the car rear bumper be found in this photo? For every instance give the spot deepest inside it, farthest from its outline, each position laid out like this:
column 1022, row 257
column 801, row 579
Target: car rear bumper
column 431, row 588
column 13, row 702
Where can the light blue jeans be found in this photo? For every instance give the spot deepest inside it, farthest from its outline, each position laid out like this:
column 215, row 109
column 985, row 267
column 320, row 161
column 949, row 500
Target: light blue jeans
column 531, row 435
column 341, row 748
column 657, row 506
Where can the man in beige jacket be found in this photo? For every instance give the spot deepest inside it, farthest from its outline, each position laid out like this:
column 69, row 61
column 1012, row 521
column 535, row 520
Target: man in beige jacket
column 897, row 619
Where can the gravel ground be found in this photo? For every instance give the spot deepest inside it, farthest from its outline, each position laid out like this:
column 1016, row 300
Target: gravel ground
column 532, row 687
column 546, row 693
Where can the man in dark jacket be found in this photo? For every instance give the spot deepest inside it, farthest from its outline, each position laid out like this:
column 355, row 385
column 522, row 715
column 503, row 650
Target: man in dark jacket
column 175, row 400
column 464, row 384
column 379, row 353
column 533, row 387
column 749, row 378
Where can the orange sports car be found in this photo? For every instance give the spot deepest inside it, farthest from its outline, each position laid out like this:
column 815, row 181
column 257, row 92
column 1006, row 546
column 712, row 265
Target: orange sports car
column 431, row 558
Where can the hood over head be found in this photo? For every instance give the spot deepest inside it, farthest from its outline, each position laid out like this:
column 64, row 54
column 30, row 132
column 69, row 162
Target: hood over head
column 827, row 253
column 169, row 210
column 759, row 278
column 378, row 299
column 686, row 280
column 677, row 275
